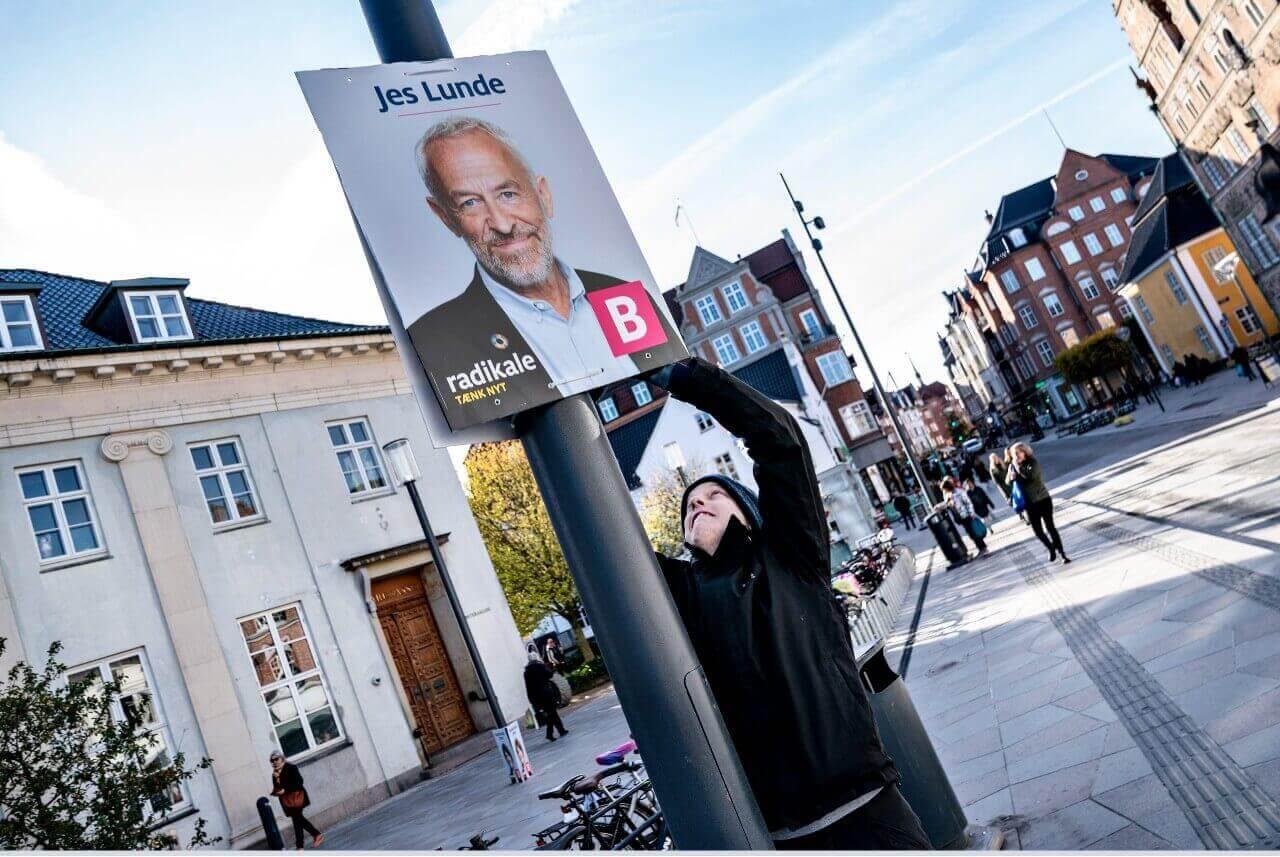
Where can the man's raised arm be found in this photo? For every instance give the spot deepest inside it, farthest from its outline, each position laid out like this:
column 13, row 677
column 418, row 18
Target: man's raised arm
column 790, row 502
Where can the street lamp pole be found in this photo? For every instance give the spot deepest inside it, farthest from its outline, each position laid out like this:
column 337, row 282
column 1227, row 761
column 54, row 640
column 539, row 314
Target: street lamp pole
column 405, row 467
column 866, row 356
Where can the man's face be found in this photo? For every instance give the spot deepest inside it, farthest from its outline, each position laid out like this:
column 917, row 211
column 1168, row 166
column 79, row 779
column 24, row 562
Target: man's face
column 490, row 201
column 707, row 514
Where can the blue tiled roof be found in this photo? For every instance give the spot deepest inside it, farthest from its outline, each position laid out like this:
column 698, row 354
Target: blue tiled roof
column 773, row 376
column 64, row 302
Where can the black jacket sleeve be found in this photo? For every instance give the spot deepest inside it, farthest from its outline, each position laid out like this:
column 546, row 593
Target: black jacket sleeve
column 291, row 778
column 795, row 522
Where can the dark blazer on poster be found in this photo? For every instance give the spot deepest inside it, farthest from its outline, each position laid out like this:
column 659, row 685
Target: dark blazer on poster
column 473, row 328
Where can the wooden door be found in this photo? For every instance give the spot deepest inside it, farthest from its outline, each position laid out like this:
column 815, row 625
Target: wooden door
column 422, row 662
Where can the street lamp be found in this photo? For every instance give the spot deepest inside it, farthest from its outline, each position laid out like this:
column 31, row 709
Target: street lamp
column 675, row 460
column 819, row 223
column 404, row 467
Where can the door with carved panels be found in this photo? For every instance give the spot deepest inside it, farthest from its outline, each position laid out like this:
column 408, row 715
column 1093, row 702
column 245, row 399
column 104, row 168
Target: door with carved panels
column 422, row 662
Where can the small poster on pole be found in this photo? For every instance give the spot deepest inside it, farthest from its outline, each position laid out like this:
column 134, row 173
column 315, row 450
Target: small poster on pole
column 495, row 230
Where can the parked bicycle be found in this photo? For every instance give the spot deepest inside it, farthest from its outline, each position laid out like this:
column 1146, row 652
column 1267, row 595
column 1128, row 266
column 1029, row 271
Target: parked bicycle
column 613, row 810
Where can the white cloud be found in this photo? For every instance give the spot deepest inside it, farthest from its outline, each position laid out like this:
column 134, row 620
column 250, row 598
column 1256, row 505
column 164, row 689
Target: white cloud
column 510, row 25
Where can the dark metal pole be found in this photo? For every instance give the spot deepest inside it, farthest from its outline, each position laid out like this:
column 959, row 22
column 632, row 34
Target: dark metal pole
column 673, row 716
column 704, row 792
column 875, row 378
column 463, row 625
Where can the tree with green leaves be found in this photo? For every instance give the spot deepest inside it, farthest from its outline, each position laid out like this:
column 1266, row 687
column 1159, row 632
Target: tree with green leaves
column 522, row 544
column 78, row 770
column 1094, row 357
column 660, row 514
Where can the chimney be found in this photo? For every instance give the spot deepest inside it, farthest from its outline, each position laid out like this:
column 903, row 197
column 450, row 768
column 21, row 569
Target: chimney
column 990, row 219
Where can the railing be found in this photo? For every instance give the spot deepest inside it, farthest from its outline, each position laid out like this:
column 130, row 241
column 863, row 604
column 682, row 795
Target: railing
column 880, row 612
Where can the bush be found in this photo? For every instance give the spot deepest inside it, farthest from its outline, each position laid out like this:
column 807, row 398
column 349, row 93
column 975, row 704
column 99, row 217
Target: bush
column 588, row 675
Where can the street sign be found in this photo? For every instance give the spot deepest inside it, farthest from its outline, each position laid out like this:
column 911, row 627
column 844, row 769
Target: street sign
column 495, row 230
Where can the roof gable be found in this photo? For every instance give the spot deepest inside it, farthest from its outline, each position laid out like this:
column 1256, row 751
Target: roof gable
column 705, row 268
column 1096, row 171
column 1171, row 174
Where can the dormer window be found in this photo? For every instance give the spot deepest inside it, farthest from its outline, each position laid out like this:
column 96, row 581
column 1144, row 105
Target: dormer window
column 18, row 328
column 158, row 316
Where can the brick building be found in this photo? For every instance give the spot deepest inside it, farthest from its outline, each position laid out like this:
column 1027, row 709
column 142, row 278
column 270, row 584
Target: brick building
column 1212, row 71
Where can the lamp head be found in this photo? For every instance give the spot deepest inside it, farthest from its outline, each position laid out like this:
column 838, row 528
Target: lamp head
column 400, row 458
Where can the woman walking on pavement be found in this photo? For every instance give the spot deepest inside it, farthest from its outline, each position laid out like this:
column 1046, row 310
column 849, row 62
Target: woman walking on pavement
column 542, row 695
column 962, row 506
column 286, row 784
column 982, row 505
column 1024, row 470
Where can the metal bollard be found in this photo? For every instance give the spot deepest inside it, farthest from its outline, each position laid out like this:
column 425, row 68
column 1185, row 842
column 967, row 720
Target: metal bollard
column 275, row 842
column 924, row 782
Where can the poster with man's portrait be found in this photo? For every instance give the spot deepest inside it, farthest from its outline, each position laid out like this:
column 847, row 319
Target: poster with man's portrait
column 499, row 238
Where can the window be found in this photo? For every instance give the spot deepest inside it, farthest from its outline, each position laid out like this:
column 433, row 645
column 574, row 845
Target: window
column 1213, row 170
column 1214, row 46
column 1034, row 269
column 1195, row 15
column 1052, row 305
column 1236, row 139
column 857, row 418
column 1111, row 278
column 752, row 336
column 18, row 330
column 1229, row 166
column 1258, row 119
column 1025, row 368
column 358, row 457
column 1179, row 293
column 1069, row 252
column 811, row 324
column 1168, row 354
column 1124, row 309
column 1248, row 319
column 1007, row 334
column 137, row 699
column 1075, row 212
column 1081, row 175
column 1118, row 194
column 1144, row 309
column 1045, row 350
column 224, row 479
column 1114, row 235
column 1092, row 244
column 1259, row 242
column 60, row 511
column 834, row 367
column 734, row 297
column 1010, row 281
column 640, row 390
column 1105, row 319
column 1097, row 204
column 1069, row 336
column 608, row 409
column 1254, row 11
column 1018, row 237
column 1205, row 342
column 294, row 691
column 1211, row 258
column 158, row 316
column 705, row 423
column 708, row 309
column 1180, row 122
column 1088, row 288
column 726, row 350
column 725, row 466
column 1028, row 316
column 1198, row 84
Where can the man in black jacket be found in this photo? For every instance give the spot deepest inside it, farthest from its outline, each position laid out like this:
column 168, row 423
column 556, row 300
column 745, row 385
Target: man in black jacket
column 756, row 599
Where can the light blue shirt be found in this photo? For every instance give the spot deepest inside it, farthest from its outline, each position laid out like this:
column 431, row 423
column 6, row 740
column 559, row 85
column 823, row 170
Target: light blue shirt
column 573, row 351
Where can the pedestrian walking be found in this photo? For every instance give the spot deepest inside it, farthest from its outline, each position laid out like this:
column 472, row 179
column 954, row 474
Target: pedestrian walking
column 543, row 695
column 287, row 786
column 756, row 599
column 982, row 505
column 1024, row 471
column 552, row 655
column 962, row 508
column 1240, row 355
column 903, row 505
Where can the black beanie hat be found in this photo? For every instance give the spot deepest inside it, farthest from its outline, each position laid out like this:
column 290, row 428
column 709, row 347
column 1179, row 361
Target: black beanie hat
column 742, row 495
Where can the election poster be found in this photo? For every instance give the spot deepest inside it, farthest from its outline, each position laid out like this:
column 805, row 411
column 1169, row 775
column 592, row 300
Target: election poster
column 495, row 230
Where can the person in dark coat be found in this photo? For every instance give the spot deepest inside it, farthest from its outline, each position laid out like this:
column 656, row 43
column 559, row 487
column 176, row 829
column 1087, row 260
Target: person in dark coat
column 1025, row 470
column 542, row 695
column 286, row 785
column 903, row 505
column 756, row 599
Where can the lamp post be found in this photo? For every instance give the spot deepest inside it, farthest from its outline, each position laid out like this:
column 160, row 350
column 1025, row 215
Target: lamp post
column 818, row 223
column 405, row 469
column 675, row 460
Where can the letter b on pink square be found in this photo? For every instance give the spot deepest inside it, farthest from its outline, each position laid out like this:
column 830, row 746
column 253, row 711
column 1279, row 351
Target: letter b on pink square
column 628, row 318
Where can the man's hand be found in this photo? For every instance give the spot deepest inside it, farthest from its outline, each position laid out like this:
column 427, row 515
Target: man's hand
column 662, row 377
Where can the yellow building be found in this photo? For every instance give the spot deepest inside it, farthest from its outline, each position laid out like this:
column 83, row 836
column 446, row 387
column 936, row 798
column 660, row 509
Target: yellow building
column 1183, row 278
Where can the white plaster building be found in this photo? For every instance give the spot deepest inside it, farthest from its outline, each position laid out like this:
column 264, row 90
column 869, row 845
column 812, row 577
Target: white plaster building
column 194, row 501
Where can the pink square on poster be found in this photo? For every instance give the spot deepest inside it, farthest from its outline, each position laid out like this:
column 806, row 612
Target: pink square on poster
column 627, row 317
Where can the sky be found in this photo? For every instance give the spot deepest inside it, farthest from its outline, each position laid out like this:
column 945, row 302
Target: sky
column 172, row 140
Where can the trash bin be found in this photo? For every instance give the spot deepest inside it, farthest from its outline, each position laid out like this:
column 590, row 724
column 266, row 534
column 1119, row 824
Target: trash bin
column 948, row 538
column 924, row 783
